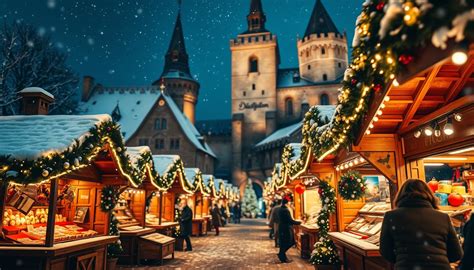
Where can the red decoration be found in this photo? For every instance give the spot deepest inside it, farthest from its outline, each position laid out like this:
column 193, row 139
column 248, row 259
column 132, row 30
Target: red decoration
column 320, row 192
column 434, row 185
column 300, row 189
column 380, row 6
column 287, row 198
column 377, row 87
column 405, row 59
column 353, row 81
column 455, row 199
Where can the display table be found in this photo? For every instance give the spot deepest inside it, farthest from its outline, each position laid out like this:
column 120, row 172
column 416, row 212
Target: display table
column 68, row 255
column 306, row 236
column 155, row 246
column 165, row 228
column 199, row 227
column 129, row 238
column 358, row 254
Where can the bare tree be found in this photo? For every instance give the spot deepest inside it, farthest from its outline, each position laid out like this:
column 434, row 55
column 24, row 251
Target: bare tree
column 29, row 59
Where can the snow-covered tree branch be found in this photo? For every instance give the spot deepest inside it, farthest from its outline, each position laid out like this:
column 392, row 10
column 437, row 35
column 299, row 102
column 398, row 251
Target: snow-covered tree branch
column 29, row 59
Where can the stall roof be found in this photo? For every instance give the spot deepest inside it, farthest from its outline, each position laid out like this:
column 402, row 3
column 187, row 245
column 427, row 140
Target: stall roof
column 34, row 136
column 163, row 163
column 193, row 176
column 135, row 153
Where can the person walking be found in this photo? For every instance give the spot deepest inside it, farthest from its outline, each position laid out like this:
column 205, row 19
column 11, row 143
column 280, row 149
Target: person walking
column 237, row 213
column 467, row 262
column 186, row 223
column 285, row 230
column 416, row 235
column 216, row 218
column 223, row 215
column 275, row 220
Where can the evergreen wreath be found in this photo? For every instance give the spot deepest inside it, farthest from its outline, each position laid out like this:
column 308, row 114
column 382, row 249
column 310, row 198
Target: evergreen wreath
column 108, row 200
column 352, row 186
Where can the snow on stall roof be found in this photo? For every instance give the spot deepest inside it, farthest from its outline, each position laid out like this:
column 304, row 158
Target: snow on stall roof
column 33, row 136
column 206, row 178
column 135, row 103
column 163, row 163
column 191, row 173
column 281, row 134
column 326, row 111
column 36, row 90
column 135, row 152
column 296, row 150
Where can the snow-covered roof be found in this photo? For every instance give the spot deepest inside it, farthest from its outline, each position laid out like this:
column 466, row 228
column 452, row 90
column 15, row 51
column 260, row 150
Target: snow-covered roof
column 281, row 134
column 135, row 152
column 33, row 136
column 36, row 90
column 326, row 111
column 191, row 174
column 296, row 150
column 163, row 163
column 135, row 103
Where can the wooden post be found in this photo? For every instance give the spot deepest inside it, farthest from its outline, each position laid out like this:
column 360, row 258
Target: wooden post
column 53, row 201
column 161, row 208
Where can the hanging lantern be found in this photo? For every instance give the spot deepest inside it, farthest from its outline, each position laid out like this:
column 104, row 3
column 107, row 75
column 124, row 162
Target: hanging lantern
column 300, row 189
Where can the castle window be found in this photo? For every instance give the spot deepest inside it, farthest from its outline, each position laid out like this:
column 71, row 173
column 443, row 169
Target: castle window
column 339, row 64
column 256, row 39
column 174, row 144
column 263, row 92
column 323, row 51
column 309, row 67
column 289, row 107
column 158, row 124
column 143, row 141
column 307, row 53
column 264, row 38
column 253, row 64
column 325, row 77
column 253, row 86
column 159, row 144
column 164, row 124
column 245, row 93
column 324, row 99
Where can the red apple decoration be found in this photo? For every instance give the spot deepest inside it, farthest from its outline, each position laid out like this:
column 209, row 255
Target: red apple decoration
column 434, row 185
column 455, row 199
column 300, row 189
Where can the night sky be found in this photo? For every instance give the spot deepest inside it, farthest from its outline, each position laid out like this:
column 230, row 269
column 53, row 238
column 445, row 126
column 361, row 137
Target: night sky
column 123, row 42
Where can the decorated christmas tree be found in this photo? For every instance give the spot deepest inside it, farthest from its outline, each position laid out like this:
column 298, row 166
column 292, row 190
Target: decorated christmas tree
column 249, row 202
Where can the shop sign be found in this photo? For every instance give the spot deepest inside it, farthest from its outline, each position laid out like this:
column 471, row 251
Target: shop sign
column 252, row 106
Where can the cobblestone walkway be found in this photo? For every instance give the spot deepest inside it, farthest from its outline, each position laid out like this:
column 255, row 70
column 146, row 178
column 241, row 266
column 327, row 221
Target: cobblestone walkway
column 240, row 246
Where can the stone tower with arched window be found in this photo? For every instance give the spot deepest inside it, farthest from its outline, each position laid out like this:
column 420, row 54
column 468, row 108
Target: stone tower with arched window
column 255, row 62
column 322, row 52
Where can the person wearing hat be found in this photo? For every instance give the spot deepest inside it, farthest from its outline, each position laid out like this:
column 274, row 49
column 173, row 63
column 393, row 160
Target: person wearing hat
column 285, row 230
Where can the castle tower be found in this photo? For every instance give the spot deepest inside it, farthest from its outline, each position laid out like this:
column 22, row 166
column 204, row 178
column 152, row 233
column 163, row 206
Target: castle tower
column 176, row 75
column 255, row 60
column 322, row 52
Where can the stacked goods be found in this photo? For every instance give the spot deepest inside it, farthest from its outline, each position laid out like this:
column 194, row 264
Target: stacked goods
column 448, row 193
column 37, row 216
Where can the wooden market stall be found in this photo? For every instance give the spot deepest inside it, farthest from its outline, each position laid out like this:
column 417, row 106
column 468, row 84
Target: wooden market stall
column 53, row 171
column 161, row 207
column 207, row 191
column 195, row 201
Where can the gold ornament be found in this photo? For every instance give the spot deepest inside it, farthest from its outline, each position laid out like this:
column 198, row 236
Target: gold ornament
column 411, row 13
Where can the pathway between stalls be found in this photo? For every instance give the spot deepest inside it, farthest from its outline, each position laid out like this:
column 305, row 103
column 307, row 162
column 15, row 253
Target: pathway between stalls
column 240, row 246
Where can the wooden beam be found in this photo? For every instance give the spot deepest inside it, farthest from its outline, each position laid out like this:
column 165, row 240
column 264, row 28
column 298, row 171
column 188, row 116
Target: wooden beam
column 399, row 99
column 421, row 93
column 459, row 84
column 390, row 118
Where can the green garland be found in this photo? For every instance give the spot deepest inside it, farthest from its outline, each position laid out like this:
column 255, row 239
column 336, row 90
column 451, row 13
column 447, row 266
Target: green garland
column 325, row 252
column 25, row 171
column 166, row 181
column 108, row 199
column 385, row 44
column 352, row 186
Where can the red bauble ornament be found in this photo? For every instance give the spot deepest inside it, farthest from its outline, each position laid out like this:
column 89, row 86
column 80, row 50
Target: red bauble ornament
column 380, row 6
column 353, row 81
column 300, row 189
column 455, row 199
column 433, row 185
column 320, row 192
column 377, row 87
column 405, row 59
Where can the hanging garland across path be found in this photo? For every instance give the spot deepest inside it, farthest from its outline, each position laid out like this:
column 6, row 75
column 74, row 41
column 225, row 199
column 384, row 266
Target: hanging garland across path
column 325, row 252
column 352, row 186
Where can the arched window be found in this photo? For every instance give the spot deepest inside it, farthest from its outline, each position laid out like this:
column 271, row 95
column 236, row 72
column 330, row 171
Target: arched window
column 253, row 64
column 289, row 107
column 324, row 99
column 323, row 51
column 325, row 77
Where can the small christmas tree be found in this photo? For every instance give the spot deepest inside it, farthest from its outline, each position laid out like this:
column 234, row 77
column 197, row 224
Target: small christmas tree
column 249, row 202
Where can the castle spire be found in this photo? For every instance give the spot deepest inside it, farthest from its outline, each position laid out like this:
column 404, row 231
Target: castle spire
column 176, row 58
column 320, row 21
column 256, row 17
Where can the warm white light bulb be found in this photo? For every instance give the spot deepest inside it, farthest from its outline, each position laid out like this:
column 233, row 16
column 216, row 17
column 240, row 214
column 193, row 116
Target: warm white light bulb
column 448, row 129
column 459, row 58
column 417, row 134
column 428, row 131
column 387, row 98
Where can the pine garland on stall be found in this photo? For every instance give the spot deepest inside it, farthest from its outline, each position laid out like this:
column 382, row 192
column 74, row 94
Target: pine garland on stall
column 108, row 199
column 249, row 202
column 352, row 186
column 325, row 252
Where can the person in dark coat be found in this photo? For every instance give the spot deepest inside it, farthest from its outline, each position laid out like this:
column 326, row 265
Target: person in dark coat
column 467, row 262
column 275, row 220
column 223, row 215
column 285, row 230
column 216, row 218
column 237, row 213
column 186, row 223
column 416, row 235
